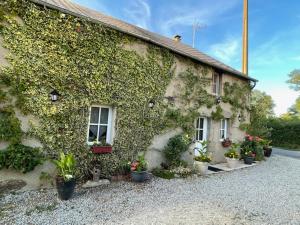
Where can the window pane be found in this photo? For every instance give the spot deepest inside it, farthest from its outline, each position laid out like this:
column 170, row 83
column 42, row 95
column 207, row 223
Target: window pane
column 201, row 123
column 223, row 124
column 197, row 123
column 200, row 135
column 197, row 135
column 222, row 134
column 94, row 115
column 93, row 133
column 102, row 133
column 104, row 116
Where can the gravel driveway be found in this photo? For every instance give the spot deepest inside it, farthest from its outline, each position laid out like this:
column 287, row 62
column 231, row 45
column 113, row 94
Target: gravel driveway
column 266, row 194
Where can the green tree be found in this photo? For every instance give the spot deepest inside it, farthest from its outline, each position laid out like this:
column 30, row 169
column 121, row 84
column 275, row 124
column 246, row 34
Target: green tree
column 294, row 79
column 261, row 109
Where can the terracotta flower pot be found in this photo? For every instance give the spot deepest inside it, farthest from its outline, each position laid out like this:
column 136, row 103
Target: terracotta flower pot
column 226, row 143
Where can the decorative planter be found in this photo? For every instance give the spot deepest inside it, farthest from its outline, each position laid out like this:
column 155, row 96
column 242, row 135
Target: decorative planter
column 64, row 188
column 101, row 149
column 139, row 176
column 232, row 163
column 226, row 143
column 267, row 151
column 201, row 167
column 248, row 160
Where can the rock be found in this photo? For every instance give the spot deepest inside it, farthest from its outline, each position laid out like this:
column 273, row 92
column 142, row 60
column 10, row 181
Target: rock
column 90, row 184
column 11, row 185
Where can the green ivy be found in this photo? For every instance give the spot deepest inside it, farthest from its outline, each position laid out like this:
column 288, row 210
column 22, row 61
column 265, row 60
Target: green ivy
column 87, row 64
column 237, row 95
column 218, row 114
column 10, row 129
column 20, row 157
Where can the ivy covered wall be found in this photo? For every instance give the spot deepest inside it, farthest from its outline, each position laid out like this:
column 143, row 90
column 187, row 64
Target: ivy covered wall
column 87, row 64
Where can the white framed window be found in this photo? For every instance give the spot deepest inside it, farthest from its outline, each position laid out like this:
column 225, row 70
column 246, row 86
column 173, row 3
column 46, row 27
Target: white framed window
column 216, row 84
column 224, row 129
column 100, row 124
column 201, row 129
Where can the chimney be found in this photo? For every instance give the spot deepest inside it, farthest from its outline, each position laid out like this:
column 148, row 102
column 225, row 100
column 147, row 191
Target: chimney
column 177, row 38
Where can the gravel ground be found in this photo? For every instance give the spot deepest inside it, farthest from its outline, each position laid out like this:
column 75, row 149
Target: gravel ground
column 268, row 193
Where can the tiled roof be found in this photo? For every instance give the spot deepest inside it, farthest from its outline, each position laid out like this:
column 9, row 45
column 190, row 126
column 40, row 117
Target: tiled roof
column 72, row 8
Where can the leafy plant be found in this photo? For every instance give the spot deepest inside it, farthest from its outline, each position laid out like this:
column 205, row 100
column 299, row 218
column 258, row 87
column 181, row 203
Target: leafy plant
column 140, row 164
column 182, row 171
column 253, row 144
column 174, row 149
column 20, row 157
column 162, row 173
column 66, row 166
column 233, row 151
column 10, row 126
column 204, row 156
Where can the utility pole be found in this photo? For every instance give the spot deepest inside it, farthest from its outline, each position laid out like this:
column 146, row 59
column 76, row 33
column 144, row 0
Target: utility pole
column 245, row 38
column 196, row 26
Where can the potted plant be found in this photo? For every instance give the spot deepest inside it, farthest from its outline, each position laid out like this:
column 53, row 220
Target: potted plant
column 139, row 169
column 101, row 148
column 232, row 156
column 202, row 160
column 226, row 143
column 267, row 148
column 249, row 157
column 65, row 179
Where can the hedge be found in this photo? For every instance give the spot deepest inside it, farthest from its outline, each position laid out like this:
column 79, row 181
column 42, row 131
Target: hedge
column 285, row 133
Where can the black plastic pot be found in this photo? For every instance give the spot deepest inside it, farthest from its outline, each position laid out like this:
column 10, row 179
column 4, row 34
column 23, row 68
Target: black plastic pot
column 139, row 176
column 65, row 189
column 267, row 151
column 248, row 160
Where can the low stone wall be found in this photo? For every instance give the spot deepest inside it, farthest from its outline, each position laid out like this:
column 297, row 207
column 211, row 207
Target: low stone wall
column 32, row 179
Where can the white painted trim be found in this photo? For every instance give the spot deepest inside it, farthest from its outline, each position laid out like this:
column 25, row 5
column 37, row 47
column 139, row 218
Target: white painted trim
column 204, row 128
column 225, row 129
column 109, row 123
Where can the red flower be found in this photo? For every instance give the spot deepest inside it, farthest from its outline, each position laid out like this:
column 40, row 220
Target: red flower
column 134, row 165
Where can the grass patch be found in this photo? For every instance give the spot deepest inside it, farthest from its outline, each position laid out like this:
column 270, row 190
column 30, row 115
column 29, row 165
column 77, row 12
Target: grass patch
column 42, row 208
column 162, row 173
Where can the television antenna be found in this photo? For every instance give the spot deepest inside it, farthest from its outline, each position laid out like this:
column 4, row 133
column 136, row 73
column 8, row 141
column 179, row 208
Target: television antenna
column 197, row 26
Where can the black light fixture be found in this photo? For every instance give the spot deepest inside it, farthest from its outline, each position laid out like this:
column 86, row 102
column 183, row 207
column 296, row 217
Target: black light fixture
column 218, row 99
column 240, row 118
column 151, row 104
column 54, row 95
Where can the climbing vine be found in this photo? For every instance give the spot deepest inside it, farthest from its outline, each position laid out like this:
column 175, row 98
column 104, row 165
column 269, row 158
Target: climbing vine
column 237, row 95
column 87, row 64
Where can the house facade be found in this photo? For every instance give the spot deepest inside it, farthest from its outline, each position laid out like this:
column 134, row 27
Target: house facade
column 114, row 83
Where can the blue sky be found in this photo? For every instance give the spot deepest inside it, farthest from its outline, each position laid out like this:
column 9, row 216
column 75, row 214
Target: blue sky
column 274, row 33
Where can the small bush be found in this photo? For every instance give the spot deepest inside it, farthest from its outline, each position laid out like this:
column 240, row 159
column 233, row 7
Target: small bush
column 21, row 158
column 162, row 173
column 174, row 149
column 10, row 126
column 285, row 133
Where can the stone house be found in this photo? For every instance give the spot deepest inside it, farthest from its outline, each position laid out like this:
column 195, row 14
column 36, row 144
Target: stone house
column 117, row 88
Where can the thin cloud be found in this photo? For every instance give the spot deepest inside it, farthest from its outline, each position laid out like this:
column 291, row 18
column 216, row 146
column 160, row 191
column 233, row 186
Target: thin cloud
column 186, row 14
column 227, row 51
column 139, row 13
